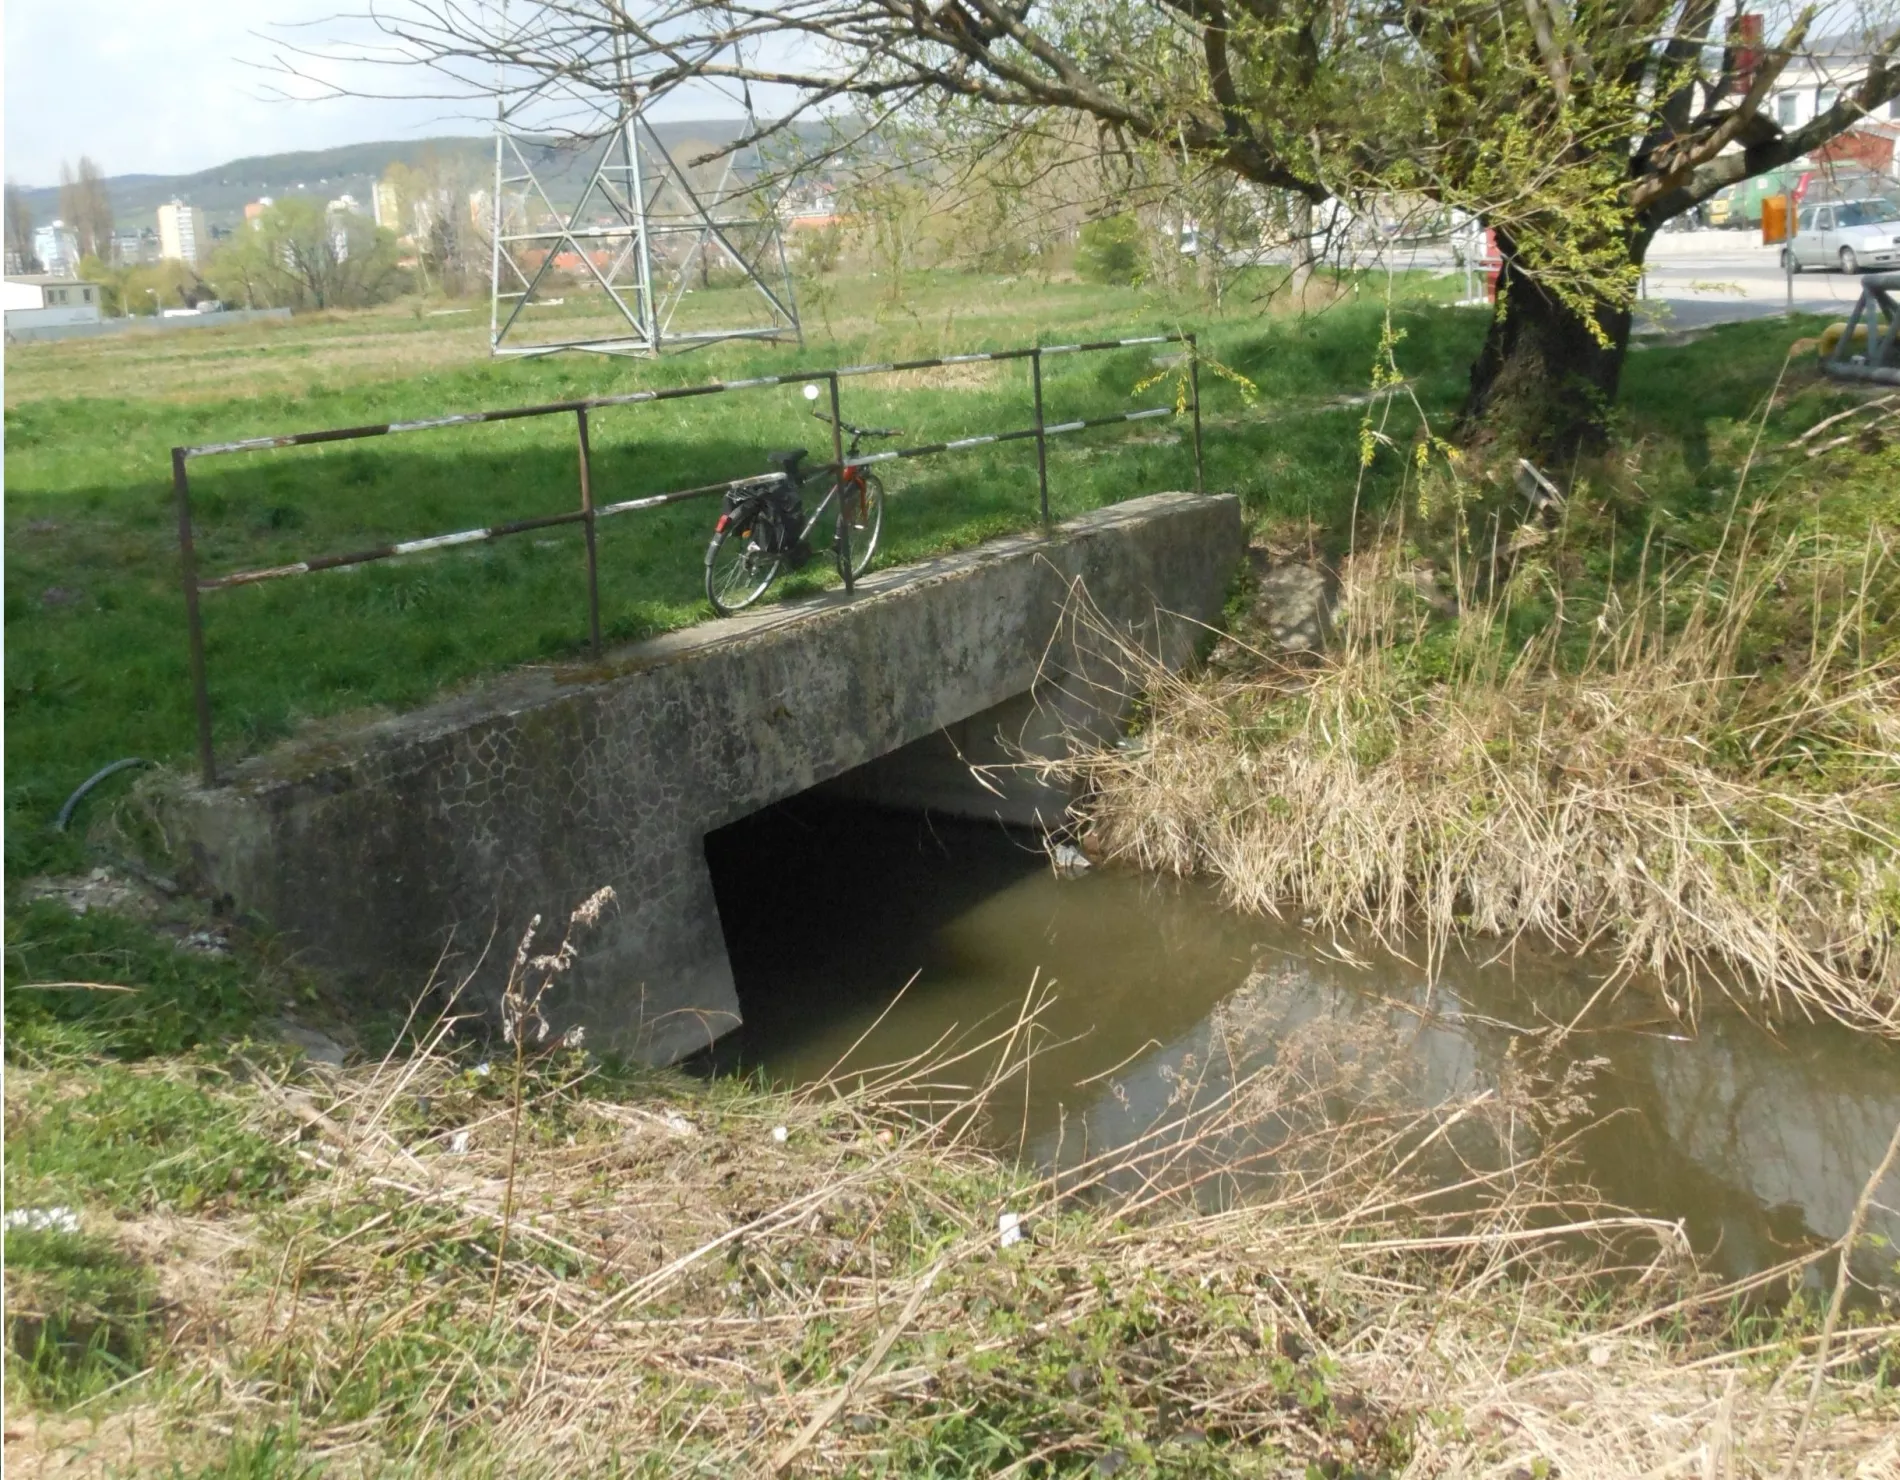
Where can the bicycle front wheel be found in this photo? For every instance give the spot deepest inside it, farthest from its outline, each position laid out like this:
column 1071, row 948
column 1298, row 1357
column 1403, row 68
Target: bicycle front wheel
column 742, row 560
column 861, row 508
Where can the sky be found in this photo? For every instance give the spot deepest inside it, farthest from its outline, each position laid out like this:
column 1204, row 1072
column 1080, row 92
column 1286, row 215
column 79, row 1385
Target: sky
column 176, row 86
column 171, row 88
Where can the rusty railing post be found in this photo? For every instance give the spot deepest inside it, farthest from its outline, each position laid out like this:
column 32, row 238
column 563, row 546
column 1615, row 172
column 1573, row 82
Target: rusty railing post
column 194, row 623
column 587, row 527
column 1042, row 438
column 837, row 457
column 1194, row 387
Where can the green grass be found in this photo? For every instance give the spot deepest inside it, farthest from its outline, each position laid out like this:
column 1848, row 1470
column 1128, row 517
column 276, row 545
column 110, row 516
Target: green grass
column 360, row 1329
column 95, row 637
column 167, row 1000
column 125, row 1099
column 272, row 1453
column 81, row 1316
column 124, row 1141
column 103, row 1139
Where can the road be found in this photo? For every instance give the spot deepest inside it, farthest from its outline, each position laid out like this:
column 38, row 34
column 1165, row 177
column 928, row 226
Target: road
column 1695, row 278
column 1717, row 277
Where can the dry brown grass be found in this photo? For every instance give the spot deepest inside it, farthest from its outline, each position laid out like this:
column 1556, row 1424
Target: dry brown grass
column 1291, row 1268
column 1711, row 798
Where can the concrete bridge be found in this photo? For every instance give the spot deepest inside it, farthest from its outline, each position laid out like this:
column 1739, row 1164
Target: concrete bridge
column 372, row 850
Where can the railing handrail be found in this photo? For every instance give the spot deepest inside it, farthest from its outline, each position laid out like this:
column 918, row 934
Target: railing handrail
column 589, row 514
column 662, row 393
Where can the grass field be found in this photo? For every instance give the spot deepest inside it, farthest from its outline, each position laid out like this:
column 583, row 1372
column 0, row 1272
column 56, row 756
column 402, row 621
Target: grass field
column 95, row 637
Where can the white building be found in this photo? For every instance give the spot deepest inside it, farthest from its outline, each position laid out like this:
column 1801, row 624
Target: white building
column 42, row 300
column 181, row 233
column 387, row 201
column 1813, row 82
column 337, row 215
column 57, row 248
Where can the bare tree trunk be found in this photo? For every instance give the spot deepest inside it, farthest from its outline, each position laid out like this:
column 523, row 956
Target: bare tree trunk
column 1299, row 217
column 1544, row 383
column 19, row 231
column 91, row 218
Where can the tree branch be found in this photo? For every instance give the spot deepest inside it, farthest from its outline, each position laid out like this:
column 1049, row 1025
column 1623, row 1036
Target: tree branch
column 1676, row 170
column 1880, row 86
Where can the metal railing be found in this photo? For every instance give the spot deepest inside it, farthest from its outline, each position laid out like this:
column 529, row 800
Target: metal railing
column 1876, row 317
column 589, row 513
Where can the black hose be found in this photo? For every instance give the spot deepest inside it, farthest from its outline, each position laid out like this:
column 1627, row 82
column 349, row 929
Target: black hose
column 66, row 812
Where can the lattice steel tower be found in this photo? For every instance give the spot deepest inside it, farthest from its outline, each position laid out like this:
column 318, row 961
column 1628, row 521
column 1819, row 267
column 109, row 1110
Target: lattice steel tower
column 612, row 274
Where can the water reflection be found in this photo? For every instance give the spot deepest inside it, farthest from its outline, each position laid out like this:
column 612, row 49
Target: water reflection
column 1759, row 1144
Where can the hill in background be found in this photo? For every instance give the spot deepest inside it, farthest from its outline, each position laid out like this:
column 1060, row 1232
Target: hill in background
column 223, row 191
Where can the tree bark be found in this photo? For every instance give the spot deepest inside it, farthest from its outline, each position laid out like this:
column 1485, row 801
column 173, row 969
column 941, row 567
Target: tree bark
column 1544, row 383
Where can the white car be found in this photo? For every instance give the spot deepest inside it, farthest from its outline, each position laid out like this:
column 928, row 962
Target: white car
column 1848, row 234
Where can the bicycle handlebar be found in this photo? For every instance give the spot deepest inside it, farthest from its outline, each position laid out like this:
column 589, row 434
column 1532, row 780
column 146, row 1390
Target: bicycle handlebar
column 860, row 431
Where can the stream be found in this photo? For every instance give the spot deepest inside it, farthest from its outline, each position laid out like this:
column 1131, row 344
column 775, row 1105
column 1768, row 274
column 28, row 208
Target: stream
column 1758, row 1143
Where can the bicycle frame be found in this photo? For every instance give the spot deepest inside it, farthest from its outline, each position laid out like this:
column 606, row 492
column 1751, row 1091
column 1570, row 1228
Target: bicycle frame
column 850, row 477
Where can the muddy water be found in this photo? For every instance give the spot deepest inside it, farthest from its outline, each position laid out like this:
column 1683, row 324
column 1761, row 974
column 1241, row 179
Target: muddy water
column 1759, row 1144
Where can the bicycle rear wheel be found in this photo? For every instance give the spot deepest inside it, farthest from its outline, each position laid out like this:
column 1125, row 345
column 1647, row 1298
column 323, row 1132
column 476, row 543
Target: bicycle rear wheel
column 743, row 559
column 862, row 506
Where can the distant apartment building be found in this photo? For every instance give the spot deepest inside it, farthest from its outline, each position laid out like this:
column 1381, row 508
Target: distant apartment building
column 181, row 233
column 254, row 210
column 337, row 214
column 814, row 208
column 426, row 210
column 386, row 200
column 57, row 248
column 135, row 248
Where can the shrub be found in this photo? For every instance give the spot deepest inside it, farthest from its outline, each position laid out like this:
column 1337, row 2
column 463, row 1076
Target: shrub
column 1109, row 250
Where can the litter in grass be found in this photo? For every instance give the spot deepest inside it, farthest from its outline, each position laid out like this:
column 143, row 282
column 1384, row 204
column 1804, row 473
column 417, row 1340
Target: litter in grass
column 43, row 1220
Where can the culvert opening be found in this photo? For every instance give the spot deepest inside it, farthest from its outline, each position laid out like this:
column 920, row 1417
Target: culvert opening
column 830, row 905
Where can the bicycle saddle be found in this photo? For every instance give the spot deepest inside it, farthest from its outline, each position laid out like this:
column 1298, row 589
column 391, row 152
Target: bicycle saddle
column 787, row 461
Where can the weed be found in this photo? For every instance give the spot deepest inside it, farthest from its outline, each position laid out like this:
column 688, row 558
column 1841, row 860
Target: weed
column 99, row 982
column 1664, row 722
column 272, row 1454
column 81, row 1316
column 128, row 1140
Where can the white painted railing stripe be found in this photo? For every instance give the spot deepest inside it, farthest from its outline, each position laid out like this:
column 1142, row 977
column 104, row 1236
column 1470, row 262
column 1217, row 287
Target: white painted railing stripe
column 439, row 542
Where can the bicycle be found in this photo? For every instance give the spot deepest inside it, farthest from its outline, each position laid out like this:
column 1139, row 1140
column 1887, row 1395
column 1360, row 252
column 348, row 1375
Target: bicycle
column 754, row 538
